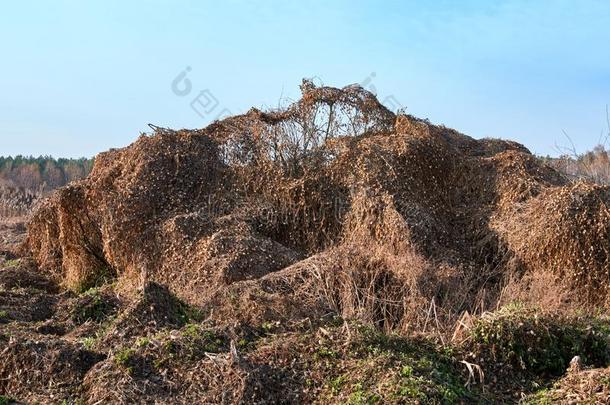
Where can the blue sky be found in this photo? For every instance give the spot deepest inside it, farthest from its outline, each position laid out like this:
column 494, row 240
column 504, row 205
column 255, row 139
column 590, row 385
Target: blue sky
column 80, row 77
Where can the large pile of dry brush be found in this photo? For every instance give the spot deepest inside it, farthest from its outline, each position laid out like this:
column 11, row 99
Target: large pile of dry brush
column 332, row 204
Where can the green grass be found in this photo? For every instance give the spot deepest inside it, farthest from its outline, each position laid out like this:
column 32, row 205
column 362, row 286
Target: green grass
column 123, row 357
column 336, row 384
column 4, row 400
column 198, row 339
column 11, row 263
column 363, row 397
column 88, row 342
column 96, row 279
column 391, row 368
column 189, row 345
column 325, row 353
column 539, row 398
column 91, row 307
column 142, row 341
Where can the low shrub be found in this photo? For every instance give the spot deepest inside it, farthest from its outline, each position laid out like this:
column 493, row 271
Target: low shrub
column 542, row 344
column 93, row 305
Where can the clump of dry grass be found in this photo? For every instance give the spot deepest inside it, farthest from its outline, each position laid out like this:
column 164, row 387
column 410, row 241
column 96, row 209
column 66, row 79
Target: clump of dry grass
column 16, row 202
column 41, row 368
column 576, row 387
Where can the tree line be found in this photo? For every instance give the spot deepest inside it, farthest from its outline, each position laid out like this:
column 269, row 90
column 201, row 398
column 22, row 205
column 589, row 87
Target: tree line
column 593, row 165
column 43, row 173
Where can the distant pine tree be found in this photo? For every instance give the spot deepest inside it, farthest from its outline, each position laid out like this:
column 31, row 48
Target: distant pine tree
column 42, row 173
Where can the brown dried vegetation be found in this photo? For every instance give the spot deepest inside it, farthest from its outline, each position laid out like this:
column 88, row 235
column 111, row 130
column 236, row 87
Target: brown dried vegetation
column 283, row 221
